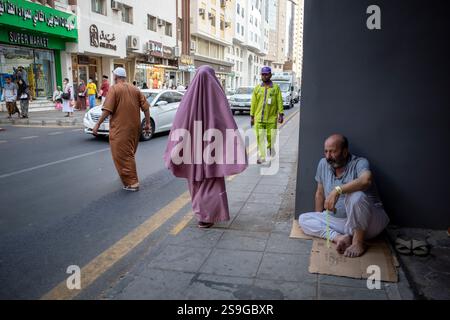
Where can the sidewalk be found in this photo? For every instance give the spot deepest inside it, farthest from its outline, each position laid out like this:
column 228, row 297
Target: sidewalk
column 251, row 256
column 45, row 118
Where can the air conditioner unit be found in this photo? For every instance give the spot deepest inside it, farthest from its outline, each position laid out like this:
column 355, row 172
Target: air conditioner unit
column 115, row 5
column 193, row 46
column 201, row 11
column 133, row 42
column 161, row 22
column 177, row 52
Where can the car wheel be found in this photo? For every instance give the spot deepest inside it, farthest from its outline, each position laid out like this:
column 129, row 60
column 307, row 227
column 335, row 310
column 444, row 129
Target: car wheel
column 233, row 112
column 145, row 136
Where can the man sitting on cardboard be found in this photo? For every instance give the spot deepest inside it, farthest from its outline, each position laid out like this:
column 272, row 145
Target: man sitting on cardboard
column 346, row 190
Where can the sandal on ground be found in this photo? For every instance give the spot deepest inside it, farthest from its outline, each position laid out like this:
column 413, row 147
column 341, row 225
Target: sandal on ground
column 130, row 188
column 420, row 248
column 205, row 224
column 403, row 246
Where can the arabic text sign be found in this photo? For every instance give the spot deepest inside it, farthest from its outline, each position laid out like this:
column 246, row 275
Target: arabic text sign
column 101, row 39
column 32, row 16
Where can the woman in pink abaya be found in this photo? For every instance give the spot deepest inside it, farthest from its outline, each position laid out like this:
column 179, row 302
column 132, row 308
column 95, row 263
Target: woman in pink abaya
column 205, row 146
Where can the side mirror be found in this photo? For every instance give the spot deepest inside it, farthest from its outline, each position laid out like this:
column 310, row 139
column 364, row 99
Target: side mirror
column 161, row 103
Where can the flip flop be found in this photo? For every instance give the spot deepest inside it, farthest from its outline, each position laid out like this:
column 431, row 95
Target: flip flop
column 420, row 248
column 130, row 188
column 403, row 246
column 205, row 225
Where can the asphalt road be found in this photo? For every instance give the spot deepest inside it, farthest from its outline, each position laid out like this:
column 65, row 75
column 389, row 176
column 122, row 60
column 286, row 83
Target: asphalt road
column 61, row 203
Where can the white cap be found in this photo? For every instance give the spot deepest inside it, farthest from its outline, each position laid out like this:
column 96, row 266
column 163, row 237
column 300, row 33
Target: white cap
column 120, row 72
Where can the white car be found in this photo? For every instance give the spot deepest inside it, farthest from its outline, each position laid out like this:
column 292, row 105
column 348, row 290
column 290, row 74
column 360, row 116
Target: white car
column 241, row 100
column 163, row 107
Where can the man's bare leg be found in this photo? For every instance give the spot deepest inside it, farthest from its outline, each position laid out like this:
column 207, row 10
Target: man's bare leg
column 342, row 241
column 357, row 247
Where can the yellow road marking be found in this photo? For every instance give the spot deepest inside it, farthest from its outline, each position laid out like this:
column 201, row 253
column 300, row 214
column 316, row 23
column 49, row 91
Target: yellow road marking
column 182, row 224
column 108, row 258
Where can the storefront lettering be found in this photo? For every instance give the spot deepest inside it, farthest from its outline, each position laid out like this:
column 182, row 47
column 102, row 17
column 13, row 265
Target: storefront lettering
column 156, row 49
column 187, row 60
column 96, row 38
column 168, row 52
column 28, row 39
column 38, row 16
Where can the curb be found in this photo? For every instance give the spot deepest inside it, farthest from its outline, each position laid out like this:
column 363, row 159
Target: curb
column 43, row 123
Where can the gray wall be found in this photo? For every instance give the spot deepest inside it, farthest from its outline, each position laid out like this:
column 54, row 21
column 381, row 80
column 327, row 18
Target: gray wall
column 388, row 91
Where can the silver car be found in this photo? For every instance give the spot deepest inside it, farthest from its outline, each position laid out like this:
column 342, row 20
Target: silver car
column 241, row 100
column 163, row 107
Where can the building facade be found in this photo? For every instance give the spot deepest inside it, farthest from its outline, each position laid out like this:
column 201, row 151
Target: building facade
column 211, row 36
column 297, row 57
column 138, row 36
column 250, row 42
column 34, row 36
column 276, row 56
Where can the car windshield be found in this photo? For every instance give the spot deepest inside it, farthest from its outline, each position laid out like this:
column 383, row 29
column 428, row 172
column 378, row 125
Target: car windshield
column 244, row 91
column 285, row 87
column 151, row 96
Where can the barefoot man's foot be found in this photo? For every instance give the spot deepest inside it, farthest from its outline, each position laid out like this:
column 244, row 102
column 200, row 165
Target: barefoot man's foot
column 355, row 250
column 342, row 243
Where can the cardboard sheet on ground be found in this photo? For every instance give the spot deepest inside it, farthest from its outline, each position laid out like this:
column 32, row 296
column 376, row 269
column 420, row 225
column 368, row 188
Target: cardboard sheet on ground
column 324, row 260
column 297, row 232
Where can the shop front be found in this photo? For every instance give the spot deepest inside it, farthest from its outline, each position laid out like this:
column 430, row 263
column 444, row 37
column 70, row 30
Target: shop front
column 222, row 68
column 158, row 69
column 187, row 68
column 31, row 40
column 98, row 50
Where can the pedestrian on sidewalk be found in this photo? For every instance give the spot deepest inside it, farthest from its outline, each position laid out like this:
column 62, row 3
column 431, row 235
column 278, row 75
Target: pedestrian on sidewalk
column 91, row 92
column 57, row 98
column 24, row 96
column 204, row 108
column 67, row 98
column 104, row 88
column 265, row 110
column 81, row 97
column 123, row 104
column 9, row 95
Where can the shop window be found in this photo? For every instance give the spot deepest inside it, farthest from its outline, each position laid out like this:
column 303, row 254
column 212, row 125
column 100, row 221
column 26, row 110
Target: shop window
column 98, row 6
column 127, row 14
column 38, row 68
column 151, row 23
column 168, row 29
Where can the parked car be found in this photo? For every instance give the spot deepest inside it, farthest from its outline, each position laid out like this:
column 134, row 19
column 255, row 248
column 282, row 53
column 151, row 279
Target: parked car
column 241, row 100
column 229, row 93
column 163, row 107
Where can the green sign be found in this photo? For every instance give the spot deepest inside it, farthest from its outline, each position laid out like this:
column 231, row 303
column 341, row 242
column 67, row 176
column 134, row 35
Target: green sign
column 32, row 16
column 29, row 39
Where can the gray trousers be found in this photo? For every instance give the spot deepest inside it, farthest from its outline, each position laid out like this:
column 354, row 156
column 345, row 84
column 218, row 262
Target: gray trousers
column 361, row 214
column 24, row 107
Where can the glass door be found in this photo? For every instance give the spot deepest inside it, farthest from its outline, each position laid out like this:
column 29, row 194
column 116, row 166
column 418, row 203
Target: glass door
column 83, row 73
column 43, row 73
